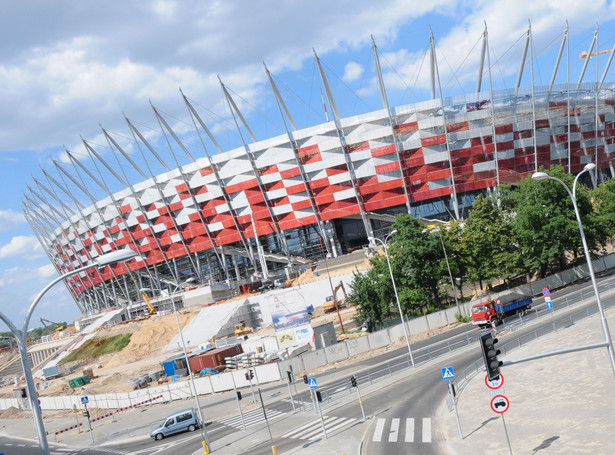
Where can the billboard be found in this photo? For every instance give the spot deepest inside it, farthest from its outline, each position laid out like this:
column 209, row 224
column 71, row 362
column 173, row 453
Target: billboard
column 288, row 310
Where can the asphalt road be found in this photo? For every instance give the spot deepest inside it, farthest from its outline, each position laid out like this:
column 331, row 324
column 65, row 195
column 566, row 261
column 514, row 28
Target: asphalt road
column 404, row 415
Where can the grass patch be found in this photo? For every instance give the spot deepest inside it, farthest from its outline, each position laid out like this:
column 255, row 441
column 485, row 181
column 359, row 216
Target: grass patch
column 98, row 346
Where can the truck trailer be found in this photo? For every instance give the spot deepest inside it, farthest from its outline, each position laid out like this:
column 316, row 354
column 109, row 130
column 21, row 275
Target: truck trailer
column 486, row 313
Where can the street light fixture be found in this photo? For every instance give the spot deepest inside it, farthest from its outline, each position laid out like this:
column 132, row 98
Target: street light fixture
column 605, row 328
column 20, row 336
column 206, row 444
column 401, row 314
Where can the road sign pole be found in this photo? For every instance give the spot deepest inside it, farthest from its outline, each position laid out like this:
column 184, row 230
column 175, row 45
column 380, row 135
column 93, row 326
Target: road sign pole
column 506, row 431
column 273, row 449
column 87, row 414
column 454, row 400
column 322, row 420
column 291, row 397
column 252, row 389
column 360, row 403
column 243, row 423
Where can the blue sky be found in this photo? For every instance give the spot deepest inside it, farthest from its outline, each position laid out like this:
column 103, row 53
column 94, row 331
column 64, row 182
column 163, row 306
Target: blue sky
column 66, row 67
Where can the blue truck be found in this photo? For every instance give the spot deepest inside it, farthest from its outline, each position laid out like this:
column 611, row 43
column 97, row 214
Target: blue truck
column 486, row 313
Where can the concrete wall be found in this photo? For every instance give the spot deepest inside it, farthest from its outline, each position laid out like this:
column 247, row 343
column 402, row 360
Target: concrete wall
column 336, row 352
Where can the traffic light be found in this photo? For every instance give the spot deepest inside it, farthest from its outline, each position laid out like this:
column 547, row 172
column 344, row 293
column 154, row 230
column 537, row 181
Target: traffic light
column 318, row 396
column 251, row 374
column 305, row 378
column 353, row 381
column 86, row 413
column 490, row 355
column 247, row 376
column 238, row 394
column 290, row 377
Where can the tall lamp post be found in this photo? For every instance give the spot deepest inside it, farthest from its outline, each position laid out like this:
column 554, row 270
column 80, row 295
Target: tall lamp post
column 450, row 275
column 205, row 442
column 605, row 328
column 20, row 336
column 401, row 314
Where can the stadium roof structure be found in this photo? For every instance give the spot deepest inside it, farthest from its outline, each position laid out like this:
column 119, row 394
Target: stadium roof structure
column 275, row 204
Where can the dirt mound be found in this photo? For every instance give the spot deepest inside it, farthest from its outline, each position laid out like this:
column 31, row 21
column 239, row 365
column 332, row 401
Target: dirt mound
column 14, row 413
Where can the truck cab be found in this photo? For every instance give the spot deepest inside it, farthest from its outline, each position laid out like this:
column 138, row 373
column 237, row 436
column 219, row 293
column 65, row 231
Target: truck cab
column 483, row 313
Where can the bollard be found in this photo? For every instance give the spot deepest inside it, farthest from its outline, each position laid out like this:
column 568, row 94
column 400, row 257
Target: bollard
column 205, row 451
column 274, row 451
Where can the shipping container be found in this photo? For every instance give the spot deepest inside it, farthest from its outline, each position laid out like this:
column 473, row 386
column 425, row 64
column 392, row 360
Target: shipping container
column 214, row 358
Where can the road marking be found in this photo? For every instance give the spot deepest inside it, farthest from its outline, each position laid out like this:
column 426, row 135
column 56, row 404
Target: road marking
column 313, row 430
column 250, row 418
column 394, row 431
column 426, row 429
column 378, row 431
column 410, row 429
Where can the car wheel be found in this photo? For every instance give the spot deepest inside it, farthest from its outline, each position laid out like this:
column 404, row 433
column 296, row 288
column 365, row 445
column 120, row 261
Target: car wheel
column 159, row 436
column 191, row 428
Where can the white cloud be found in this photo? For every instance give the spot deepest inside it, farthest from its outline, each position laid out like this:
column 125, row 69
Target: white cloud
column 9, row 219
column 46, row 271
column 26, row 247
column 352, row 72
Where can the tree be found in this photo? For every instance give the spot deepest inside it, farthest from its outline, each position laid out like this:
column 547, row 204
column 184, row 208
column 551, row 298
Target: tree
column 458, row 258
column 364, row 296
column 545, row 223
column 489, row 242
column 415, row 255
column 603, row 199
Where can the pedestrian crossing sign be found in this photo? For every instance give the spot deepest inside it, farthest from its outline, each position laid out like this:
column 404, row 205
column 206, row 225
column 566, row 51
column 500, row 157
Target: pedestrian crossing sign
column 448, row 373
column 312, row 383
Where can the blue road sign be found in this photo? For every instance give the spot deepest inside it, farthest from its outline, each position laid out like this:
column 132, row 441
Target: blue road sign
column 312, row 383
column 84, row 400
column 548, row 302
column 546, row 292
column 448, row 373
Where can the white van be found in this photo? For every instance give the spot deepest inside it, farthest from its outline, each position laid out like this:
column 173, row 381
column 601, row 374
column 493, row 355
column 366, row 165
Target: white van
column 178, row 422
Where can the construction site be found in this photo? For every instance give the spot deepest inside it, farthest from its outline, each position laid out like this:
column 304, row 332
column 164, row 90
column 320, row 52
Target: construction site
column 154, row 340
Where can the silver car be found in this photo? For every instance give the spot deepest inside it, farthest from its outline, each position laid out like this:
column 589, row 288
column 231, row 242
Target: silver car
column 178, row 422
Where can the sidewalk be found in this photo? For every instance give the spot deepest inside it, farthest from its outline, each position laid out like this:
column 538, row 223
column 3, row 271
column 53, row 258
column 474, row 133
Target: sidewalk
column 558, row 405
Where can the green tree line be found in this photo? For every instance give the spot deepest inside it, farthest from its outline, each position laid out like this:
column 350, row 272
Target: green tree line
column 522, row 231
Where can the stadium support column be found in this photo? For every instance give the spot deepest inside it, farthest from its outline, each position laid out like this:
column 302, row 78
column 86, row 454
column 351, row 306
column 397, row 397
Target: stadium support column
column 448, row 148
column 493, row 126
column 340, row 134
column 282, row 109
column 481, row 64
column 555, row 69
column 534, row 132
column 385, row 104
column 235, row 112
column 214, row 169
column 606, row 69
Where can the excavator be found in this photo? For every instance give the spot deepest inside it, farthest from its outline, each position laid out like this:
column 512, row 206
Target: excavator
column 150, row 307
column 331, row 304
column 47, row 323
column 241, row 329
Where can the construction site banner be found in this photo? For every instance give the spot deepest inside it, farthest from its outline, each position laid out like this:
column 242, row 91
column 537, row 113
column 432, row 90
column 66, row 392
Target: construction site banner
column 296, row 336
column 288, row 310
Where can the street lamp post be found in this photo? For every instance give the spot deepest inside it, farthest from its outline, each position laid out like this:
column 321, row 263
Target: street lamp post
column 401, row 314
column 450, row 275
column 20, row 336
column 206, row 444
column 605, row 328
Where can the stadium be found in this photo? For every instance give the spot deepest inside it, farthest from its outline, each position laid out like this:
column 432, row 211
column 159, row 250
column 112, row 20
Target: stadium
column 269, row 207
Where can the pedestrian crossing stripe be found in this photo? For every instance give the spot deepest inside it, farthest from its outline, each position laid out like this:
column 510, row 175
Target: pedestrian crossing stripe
column 447, row 373
column 394, row 430
column 313, row 430
column 250, row 418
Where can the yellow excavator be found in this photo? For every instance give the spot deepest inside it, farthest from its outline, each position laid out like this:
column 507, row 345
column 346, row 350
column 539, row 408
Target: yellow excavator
column 241, row 329
column 150, row 307
column 331, row 304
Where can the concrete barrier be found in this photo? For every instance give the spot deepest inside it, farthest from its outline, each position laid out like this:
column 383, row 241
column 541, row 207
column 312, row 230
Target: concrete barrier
column 336, row 352
column 314, row 359
column 357, row 346
column 378, row 339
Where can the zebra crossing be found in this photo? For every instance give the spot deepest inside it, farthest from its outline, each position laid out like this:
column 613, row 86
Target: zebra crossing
column 409, row 430
column 250, row 418
column 313, row 430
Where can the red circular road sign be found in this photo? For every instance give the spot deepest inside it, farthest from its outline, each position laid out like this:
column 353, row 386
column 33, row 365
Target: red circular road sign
column 500, row 404
column 495, row 383
column 546, row 292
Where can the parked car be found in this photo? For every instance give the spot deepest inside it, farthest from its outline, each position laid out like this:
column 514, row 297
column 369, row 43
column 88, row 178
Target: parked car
column 279, row 283
column 178, row 422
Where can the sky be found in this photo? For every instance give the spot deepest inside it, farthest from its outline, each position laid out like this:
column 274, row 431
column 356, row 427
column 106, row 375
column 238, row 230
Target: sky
column 69, row 67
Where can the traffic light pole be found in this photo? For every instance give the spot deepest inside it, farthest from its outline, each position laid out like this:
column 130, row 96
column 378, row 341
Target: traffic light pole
column 87, row 416
column 238, row 396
